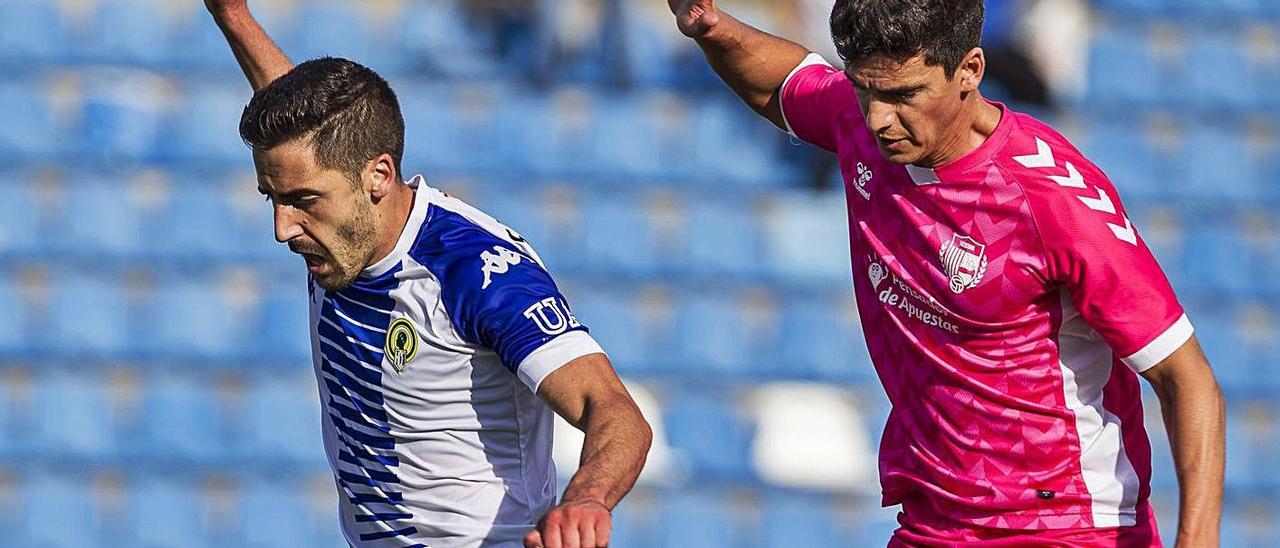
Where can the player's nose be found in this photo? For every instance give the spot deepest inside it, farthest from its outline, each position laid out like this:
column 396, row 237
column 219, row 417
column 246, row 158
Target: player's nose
column 880, row 116
column 286, row 226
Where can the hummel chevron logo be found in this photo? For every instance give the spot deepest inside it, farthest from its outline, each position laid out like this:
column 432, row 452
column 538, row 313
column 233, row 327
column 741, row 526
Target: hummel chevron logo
column 1125, row 233
column 1041, row 159
column 1102, row 203
column 1072, row 180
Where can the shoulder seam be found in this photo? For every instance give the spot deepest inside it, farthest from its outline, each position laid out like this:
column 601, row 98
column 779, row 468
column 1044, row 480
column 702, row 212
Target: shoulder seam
column 1035, row 221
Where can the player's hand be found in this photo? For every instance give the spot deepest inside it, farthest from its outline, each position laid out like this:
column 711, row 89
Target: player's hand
column 580, row 524
column 218, row 7
column 695, row 18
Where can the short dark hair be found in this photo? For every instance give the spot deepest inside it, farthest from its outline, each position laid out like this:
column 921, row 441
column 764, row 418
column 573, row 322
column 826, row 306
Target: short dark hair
column 349, row 112
column 942, row 30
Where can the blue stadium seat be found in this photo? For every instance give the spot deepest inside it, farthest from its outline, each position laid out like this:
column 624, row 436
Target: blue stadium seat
column 99, row 217
column 1218, row 259
column 713, row 437
column 22, row 41
column 723, row 238
column 183, row 421
column 20, row 230
column 283, row 425
column 790, row 520
column 1205, row 174
column 1127, row 156
column 742, row 147
column 91, row 310
column 193, row 320
column 1216, row 74
column 196, row 222
column 614, row 321
column 52, row 503
column 285, row 333
column 807, row 238
column 628, row 143
column 819, row 341
column 202, row 47
column 125, row 32
column 702, row 520
column 207, row 130
column 617, row 234
column 123, row 117
column 164, row 508
column 73, row 417
column 274, row 514
column 437, row 37
column 14, row 319
column 1123, row 69
column 29, row 131
column 713, row 335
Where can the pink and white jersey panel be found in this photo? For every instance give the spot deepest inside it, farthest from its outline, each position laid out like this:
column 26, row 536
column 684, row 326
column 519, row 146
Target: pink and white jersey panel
column 1008, row 303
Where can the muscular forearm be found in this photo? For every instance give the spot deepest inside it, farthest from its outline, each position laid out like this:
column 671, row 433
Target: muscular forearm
column 1195, row 419
column 613, row 454
column 752, row 62
column 259, row 57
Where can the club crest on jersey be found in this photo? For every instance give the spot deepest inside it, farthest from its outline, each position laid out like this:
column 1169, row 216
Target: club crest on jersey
column 964, row 260
column 402, row 343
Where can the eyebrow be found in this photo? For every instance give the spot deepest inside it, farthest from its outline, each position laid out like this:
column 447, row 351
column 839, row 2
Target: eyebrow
column 900, row 90
column 292, row 194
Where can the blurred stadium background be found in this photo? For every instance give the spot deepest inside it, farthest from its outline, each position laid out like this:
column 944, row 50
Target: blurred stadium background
column 155, row 386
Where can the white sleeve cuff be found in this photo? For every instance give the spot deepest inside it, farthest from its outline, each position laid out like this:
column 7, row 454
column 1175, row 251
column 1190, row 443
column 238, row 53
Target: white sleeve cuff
column 554, row 355
column 1160, row 348
column 809, row 61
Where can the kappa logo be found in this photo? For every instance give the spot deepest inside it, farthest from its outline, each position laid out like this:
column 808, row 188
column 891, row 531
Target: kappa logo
column 402, row 343
column 499, row 261
column 964, row 260
column 865, row 175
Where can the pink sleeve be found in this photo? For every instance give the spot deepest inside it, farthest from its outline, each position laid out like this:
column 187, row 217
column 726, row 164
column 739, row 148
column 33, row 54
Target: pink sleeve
column 1094, row 251
column 814, row 95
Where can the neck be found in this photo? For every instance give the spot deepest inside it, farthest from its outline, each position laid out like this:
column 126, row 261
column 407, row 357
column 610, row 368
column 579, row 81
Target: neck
column 391, row 219
column 975, row 123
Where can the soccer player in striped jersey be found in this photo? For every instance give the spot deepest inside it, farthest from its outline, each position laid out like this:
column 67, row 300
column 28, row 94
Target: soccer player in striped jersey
column 1008, row 302
column 441, row 344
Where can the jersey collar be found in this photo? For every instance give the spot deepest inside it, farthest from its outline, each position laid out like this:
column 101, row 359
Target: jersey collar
column 978, row 156
column 407, row 236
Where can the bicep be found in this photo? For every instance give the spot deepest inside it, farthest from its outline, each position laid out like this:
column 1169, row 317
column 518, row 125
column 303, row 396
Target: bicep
column 573, row 389
column 1187, row 365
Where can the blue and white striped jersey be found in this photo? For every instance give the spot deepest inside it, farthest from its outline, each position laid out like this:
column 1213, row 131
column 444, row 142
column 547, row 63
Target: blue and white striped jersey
column 428, row 368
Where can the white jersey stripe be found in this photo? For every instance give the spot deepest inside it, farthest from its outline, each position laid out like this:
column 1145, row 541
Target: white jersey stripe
column 1086, row 362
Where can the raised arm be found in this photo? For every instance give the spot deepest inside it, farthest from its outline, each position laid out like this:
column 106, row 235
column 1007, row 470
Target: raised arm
column 589, row 395
column 752, row 62
column 260, row 58
column 1191, row 403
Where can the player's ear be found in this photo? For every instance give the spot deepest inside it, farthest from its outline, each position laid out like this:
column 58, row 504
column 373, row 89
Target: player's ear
column 971, row 70
column 380, row 176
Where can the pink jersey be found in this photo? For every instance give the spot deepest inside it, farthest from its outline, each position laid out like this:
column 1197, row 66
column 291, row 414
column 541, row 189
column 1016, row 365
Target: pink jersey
column 1007, row 302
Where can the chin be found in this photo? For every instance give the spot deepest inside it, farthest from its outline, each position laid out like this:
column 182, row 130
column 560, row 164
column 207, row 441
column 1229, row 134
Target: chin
column 902, row 158
column 335, row 281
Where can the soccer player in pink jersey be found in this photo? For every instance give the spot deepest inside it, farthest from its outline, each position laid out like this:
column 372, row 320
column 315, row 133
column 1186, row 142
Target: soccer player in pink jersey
column 1008, row 301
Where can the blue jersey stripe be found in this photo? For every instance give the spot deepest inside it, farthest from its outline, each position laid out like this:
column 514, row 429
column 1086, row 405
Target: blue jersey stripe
column 384, row 517
column 391, row 498
column 363, row 453
column 389, row 534
column 356, row 416
column 375, row 413
column 361, row 370
column 350, row 385
column 382, row 476
column 360, row 312
column 365, row 355
column 375, row 441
